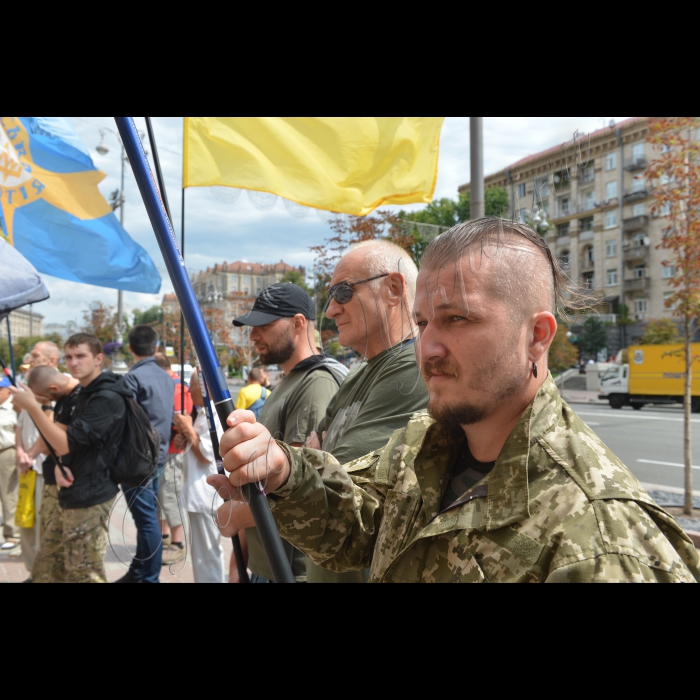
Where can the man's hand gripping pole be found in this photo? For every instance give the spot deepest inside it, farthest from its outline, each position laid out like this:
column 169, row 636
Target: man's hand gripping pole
column 204, row 348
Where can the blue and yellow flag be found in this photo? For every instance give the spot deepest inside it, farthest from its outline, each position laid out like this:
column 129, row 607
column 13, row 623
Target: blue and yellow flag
column 52, row 212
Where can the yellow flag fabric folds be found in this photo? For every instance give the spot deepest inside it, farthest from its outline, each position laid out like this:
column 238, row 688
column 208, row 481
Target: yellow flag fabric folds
column 350, row 165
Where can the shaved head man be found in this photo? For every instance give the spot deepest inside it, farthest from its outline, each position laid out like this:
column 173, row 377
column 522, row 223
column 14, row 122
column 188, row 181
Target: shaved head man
column 45, row 354
column 500, row 481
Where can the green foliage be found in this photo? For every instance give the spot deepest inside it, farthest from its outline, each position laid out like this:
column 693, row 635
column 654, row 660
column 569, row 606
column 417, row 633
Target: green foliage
column 150, row 317
column 623, row 316
column 661, row 332
column 296, row 277
column 563, row 354
column 22, row 346
column 594, row 337
column 448, row 212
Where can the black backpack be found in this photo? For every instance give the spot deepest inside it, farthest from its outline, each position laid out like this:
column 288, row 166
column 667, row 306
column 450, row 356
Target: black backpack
column 137, row 455
column 136, row 458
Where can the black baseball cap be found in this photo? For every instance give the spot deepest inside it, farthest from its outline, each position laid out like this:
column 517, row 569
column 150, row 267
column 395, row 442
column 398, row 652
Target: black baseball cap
column 283, row 300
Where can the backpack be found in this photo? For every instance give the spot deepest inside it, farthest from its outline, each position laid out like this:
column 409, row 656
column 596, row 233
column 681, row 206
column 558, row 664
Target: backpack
column 137, row 455
column 258, row 405
column 136, row 458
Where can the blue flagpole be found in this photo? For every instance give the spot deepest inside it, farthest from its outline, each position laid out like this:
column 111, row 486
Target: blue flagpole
column 216, row 382
column 12, row 352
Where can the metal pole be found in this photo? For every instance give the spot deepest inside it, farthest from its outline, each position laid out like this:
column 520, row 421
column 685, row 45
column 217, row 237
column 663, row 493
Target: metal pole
column 182, row 316
column 31, row 320
column 478, row 203
column 216, row 382
column 623, row 329
column 12, row 352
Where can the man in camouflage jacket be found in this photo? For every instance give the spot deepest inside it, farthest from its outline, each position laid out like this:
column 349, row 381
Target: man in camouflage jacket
column 553, row 504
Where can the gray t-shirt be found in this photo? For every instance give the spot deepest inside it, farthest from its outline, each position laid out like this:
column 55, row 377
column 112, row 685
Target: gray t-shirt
column 291, row 413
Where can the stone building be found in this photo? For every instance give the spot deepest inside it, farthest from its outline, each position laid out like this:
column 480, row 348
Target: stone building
column 601, row 228
column 24, row 324
column 230, row 290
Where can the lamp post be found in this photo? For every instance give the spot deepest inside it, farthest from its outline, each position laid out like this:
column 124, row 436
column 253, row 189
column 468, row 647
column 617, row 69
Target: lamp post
column 476, row 145
column 117, row 200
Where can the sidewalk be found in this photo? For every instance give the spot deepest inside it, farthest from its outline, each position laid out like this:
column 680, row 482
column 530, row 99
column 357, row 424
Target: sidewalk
column 588, row 397
column 122, row 533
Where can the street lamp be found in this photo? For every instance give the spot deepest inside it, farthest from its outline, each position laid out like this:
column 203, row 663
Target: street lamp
column 117, row 200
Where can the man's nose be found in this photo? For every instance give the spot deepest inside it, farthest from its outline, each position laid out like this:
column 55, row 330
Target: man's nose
column 255, row 335
column 431, row 344
column 334, row 309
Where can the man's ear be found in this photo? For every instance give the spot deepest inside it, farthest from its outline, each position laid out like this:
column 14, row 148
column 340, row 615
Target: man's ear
column 543, row 331
column 397, row 286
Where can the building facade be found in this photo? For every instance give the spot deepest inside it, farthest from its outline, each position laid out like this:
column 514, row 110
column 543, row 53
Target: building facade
column 229, row 290
column 601, row 227
column 23, row 324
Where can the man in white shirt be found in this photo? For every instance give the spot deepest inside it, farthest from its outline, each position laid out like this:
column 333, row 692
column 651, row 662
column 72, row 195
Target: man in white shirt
column 200, row 499
column 9, row 480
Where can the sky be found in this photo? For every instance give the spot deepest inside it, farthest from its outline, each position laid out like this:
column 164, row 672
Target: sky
column 219, row 230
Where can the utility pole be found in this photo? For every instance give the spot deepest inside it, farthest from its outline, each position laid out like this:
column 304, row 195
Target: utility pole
column 623, row 268
column 478, row 203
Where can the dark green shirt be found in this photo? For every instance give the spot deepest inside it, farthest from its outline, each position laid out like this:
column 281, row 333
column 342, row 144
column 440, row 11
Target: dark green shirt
column 376, row 399
column 291, row 413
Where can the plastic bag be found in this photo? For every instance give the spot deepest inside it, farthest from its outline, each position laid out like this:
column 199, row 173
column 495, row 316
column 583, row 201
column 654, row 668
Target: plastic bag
column 25, row 514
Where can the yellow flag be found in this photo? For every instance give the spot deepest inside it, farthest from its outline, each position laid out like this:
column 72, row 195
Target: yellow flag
column 350, row 165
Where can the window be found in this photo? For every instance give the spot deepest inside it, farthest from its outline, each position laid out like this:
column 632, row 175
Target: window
column 589, row 281
column 565, row 206
column 611, row 161
column 639, row 184
column 640, row 306
column 667, row 301
column 640, row 272
column 588, row 200
column 611, row 249
column 563, row 230
column 669, row 272
column 565, row 260
column 587, row 224
column 612, row 278
column 665, row 210
column 611, row 219
column 638, row 210
column 522, row 190
column 588, row 174
column 638, row 152
column 522, row 216
column 611, row 190
column 640, row 240
column 542, row 185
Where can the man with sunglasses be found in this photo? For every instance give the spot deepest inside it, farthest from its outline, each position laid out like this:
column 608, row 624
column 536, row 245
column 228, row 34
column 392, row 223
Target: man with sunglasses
column 283, row 323
column 371, row 300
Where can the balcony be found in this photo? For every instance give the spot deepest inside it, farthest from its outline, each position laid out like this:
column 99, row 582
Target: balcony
column 636, row 223
column 637, row 165
column 636, row 196
column 587, row 266
column 638, row 284
column 637, row 254
column 587, row 206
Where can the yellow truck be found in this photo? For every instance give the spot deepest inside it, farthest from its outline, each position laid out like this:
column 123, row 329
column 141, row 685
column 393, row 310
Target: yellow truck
column 650, row 374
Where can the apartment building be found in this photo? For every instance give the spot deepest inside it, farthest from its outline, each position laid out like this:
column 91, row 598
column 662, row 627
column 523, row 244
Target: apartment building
column 232, row 289
column 23, row 324
column 596, row 205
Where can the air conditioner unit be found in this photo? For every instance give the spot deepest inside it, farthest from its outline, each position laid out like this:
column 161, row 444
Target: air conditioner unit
column 647, row 241
column 597, row 204
column 639, row 317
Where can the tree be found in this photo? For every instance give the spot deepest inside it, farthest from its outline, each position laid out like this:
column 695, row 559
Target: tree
column 675, row 178
column 594, row 337
column 496, row 200
column 563, row 354
column 150, row 317
column 296, row 277
column 100, row 320
column 661, row 332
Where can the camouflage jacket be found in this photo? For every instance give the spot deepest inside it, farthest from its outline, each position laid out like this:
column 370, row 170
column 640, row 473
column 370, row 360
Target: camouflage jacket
column 557, row 507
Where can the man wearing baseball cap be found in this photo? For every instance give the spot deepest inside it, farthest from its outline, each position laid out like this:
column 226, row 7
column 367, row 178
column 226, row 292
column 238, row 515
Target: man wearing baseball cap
column 283, row 325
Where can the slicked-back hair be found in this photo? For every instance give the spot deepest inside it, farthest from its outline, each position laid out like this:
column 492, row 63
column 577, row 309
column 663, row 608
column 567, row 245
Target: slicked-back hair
column 144, row 340
column 521, row 280
column 88, row 339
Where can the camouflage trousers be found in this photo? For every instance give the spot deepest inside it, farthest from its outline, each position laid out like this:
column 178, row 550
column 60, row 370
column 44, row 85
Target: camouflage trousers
column 73, row 546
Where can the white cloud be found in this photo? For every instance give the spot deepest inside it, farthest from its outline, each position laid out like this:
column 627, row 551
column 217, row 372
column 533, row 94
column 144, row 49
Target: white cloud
column 216, row 231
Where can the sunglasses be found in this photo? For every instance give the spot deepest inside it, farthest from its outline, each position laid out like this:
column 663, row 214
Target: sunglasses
column 343, row 293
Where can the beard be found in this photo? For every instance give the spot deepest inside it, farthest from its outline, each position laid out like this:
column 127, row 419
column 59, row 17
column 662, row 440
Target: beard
column 281, row 352
column 494, row 379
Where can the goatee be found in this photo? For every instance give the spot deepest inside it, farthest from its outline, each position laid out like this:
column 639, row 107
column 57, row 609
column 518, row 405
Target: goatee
column 455, row 416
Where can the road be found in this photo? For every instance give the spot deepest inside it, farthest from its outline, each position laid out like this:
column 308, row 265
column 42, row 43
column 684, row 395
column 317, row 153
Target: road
column 649, row 442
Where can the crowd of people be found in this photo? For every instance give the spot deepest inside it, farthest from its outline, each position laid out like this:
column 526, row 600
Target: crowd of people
column 446, row 455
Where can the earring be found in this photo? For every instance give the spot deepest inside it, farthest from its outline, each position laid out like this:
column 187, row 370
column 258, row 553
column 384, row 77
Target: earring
column 534, row 369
